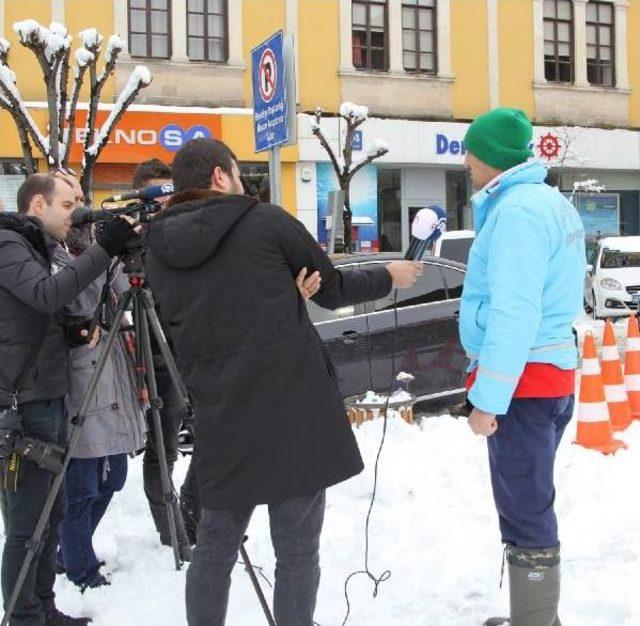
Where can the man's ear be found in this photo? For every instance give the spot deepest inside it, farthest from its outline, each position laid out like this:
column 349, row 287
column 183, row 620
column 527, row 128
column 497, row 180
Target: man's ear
column 38, row 205
column 216, row 179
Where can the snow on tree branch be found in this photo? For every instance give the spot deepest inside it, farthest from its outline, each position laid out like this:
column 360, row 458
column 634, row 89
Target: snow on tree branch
column 18, row 110
column 344, row 166
column 588, row 186
column 52, row 49
column 4, row 50
column 140, row 77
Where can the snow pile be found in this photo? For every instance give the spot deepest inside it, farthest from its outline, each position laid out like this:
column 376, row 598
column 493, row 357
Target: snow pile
column 90, row 37
column 353, row 112
column 114, row 46
column 378, row 147
column 58, row 29
column 5, row 46
column 433, row 525
column 371, row 397
column 29, row 30
column 588, row 186
column 54, row 39
column 405, row 377
column 84, row 57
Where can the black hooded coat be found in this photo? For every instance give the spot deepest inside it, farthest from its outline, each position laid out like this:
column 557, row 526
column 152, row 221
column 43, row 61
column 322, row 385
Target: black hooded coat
column 270, row 421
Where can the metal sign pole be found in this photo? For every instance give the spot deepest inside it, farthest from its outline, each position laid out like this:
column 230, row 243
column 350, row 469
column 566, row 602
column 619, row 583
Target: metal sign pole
column 275, row 176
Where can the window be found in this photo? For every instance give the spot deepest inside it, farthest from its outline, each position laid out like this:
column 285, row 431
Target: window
column 150, row 28
column 428, row 288
column 558, row 41
column 453, row 280
column 369, row 32
column 419, row 36
column 600, row 44
column 207, row 30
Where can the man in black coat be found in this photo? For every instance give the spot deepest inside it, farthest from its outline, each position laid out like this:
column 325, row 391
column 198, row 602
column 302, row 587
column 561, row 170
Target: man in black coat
column 271, row 427
column 32, row 296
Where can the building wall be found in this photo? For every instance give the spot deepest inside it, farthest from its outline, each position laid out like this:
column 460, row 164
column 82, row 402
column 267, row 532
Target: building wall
column 516, row 54
column 469, row 58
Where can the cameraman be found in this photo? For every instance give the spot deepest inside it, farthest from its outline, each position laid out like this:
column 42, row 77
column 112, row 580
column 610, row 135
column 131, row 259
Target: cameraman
column 34, row 375
column 148, row 173
column 271, row 427
column 114, row 427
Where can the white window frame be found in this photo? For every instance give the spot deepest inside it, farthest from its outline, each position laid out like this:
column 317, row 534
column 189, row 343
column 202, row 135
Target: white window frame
column 621, row 9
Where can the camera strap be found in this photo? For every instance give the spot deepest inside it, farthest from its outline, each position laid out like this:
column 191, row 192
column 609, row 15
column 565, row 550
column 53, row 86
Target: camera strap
column 15, row 387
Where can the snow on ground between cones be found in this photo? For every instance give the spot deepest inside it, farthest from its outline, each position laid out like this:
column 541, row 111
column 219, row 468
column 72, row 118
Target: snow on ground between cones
column 434, row 526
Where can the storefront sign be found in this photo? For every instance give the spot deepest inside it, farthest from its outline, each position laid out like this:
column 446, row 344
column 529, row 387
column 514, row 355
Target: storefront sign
column 142, row 135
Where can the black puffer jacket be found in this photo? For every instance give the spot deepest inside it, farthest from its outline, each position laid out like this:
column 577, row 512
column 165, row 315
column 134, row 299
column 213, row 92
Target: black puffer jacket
column 270, row 421
column 29, row 295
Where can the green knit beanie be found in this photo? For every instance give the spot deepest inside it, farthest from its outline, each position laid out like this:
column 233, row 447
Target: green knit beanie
column 500, row 138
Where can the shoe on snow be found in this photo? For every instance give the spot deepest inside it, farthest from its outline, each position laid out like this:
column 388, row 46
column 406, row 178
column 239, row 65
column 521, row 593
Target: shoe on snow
column 93, row 581
column 497, row 621
column 58, row 618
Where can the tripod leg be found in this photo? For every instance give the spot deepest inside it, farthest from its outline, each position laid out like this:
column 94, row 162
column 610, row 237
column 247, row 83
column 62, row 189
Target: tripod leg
column 77, row 422
column 256, row 585
column 154, row 323
column 142, row 330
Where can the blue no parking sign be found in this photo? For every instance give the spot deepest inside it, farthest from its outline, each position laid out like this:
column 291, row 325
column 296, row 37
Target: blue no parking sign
column 270, row 110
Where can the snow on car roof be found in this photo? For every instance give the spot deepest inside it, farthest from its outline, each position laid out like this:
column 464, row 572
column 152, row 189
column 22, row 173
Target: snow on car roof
column 624, row 244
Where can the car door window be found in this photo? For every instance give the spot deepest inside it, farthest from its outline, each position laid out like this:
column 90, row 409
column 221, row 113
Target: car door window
column 428, row 288
column 317, row 314
column 453, row 281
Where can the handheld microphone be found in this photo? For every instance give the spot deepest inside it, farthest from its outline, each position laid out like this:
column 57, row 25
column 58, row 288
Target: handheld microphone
column 148, row 193
column 427, row 226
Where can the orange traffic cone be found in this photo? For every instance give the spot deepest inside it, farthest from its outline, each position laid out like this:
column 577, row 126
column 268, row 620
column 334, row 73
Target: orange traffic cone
column 594, row 426
column 632, row 366
column 614, row 387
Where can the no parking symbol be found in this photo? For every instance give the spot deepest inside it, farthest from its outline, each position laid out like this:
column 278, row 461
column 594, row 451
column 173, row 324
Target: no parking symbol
column 268, row 75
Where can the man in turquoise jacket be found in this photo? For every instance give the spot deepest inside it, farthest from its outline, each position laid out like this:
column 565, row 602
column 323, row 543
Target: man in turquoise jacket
column 522, row 292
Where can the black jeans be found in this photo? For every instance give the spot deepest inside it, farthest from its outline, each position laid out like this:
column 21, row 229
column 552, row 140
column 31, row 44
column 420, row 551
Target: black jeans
column 20, row 511
column 296, row 525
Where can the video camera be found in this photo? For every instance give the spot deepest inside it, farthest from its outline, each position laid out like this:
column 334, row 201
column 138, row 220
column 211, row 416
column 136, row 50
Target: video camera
column 142, row 211
column 15, row 445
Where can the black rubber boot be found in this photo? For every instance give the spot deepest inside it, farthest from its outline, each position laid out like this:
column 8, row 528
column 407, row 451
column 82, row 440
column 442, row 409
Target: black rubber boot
column 534, row 588
column 53, row 617
column 153, row 491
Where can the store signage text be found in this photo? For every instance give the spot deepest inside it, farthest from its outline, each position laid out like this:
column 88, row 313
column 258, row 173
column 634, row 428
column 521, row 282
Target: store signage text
column 445, row 145
column 171, row 137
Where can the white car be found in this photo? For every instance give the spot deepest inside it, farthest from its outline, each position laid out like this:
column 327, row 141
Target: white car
column 455, row 245
column 612, row 284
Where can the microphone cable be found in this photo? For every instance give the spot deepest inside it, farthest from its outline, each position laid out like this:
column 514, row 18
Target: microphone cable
column 376, row 580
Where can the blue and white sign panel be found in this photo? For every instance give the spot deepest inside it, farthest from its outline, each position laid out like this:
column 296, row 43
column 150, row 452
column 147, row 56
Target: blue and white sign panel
column 269, row 94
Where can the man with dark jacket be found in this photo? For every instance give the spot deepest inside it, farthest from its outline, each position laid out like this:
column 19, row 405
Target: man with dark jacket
column 271, row 427
column 31, row 300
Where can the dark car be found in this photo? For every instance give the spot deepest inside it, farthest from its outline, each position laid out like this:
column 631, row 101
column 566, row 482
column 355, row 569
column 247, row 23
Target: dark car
column 360, row 339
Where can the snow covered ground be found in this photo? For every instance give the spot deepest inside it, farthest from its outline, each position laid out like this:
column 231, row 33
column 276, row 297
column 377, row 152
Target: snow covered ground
column 434, row 527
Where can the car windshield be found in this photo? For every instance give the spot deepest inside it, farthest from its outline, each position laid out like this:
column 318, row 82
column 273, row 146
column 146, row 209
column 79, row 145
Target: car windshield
column 613, row 259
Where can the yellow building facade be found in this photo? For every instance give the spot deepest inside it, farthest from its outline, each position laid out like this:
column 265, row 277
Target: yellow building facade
column 423, row 67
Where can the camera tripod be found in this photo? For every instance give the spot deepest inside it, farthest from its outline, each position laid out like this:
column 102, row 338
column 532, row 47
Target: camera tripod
column 139, row 299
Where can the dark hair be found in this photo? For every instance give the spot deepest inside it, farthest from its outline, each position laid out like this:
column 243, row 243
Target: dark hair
column 148, row 170
column 194, row 163
column 43, row 184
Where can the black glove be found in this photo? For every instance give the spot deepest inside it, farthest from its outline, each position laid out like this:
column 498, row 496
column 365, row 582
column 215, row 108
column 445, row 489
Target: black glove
column 114, row 235
column 73, row 331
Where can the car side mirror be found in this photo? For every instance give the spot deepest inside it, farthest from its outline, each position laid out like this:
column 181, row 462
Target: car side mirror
column 589, row 269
